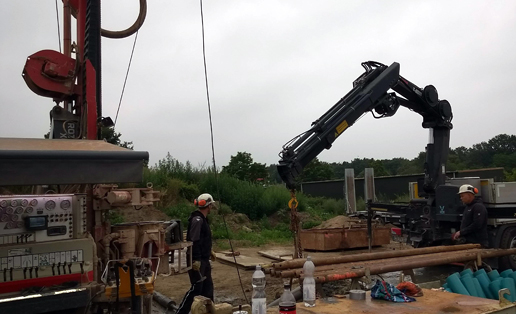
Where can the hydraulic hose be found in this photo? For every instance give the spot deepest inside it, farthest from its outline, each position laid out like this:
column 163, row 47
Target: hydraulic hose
column 132, row 29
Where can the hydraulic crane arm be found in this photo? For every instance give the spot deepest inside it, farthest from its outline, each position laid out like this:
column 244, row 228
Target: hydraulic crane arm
column 371, row 93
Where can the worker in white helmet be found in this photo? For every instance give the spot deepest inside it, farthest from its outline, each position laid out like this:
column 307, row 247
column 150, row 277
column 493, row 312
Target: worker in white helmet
column 473, row 228
column 199, row 233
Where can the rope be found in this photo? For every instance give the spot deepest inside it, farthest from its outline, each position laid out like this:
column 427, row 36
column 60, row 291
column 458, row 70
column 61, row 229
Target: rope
column 213, row 147
column 126, row 75
column 58, row 29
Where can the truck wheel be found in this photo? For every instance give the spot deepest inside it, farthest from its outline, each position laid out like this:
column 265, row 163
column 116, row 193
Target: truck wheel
column 508, row 241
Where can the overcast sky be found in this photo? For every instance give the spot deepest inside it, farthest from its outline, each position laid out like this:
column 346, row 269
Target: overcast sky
column 273, row 68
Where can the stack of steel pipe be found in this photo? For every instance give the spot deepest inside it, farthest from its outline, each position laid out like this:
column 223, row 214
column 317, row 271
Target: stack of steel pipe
column 357, row 265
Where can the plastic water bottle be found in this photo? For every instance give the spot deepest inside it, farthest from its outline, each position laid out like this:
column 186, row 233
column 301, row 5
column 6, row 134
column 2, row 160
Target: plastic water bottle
column 309, row 283
column 259, row 305
column 287, row 303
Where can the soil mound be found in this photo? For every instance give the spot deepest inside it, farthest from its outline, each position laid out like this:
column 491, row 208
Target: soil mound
column 340, row 222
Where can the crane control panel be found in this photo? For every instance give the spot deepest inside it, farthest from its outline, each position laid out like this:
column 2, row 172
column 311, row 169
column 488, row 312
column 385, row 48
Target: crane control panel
column 41, row 218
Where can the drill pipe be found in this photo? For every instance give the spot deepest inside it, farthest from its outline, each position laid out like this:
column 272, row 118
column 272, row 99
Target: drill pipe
column 385, row 268
column 396, row 260
column 408, row 260
column 319, row 261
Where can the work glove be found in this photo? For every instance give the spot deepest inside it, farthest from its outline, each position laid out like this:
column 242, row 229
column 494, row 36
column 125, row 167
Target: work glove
column 213, row 257
column 196, row 265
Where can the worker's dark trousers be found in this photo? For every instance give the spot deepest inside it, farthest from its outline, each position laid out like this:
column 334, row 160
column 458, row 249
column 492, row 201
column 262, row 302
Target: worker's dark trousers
column 204, row 288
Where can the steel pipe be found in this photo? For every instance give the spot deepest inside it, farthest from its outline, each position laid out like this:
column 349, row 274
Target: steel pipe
column 397, row 260
column 385, row 268
column 319, row 261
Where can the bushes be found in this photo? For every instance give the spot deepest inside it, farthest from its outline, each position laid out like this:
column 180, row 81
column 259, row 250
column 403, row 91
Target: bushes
column 333, row 206
column 181, row 211
column 248, row 198
column 170, row 167
column 267, row 206
column 175, row 190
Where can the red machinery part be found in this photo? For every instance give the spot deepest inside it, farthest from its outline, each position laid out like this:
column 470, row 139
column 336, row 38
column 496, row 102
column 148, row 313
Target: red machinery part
column 49, row 73
column 91, row 102
column 18, row 285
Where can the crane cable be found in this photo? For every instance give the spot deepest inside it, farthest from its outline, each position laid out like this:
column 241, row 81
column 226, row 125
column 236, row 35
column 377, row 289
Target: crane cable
column 58, row 29
column 126, row 75
column 213, row 148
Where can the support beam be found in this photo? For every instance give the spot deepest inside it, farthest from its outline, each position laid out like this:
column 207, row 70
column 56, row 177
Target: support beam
column 349, row 191
column 369, row 193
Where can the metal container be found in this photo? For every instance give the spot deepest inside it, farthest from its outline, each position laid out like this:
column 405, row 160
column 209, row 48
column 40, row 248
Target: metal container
column 357, row 294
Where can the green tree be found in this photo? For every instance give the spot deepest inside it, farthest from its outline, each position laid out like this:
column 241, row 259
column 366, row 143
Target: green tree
column 109, row 135
column 317, row 170
column 396, row 165
column 242, row 167
column 379, row 169
column 502, row 144
column 273, row 174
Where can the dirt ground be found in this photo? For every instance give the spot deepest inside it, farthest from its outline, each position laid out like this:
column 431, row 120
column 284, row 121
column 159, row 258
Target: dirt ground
column 227, row 285
column 225, row 280
column 225, row 276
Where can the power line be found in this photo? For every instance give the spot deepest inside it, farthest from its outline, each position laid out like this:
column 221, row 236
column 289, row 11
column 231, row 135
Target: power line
column 126, row 75
column 58, row 29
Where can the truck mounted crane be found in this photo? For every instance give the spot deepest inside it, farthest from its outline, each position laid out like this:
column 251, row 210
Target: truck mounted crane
column 371, row 93
column 436, row 212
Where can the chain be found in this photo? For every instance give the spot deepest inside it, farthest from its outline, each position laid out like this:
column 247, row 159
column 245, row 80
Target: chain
column 294, row 224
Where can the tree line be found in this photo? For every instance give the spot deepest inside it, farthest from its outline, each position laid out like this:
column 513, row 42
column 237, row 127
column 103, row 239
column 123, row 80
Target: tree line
column 499, row 151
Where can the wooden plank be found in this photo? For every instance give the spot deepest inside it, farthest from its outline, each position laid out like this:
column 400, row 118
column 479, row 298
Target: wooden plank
column 243, row 261
column 431, row 302
column 278, row 255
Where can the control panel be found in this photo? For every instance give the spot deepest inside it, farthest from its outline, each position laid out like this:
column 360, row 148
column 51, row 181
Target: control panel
column 45, row 264
column 41, row 218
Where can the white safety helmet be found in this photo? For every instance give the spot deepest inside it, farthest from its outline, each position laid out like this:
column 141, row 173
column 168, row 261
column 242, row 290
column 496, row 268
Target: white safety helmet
column 204, row 200
column 468, row 188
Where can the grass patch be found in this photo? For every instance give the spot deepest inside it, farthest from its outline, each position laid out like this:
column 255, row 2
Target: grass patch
column 114, row 217
column 262, row 233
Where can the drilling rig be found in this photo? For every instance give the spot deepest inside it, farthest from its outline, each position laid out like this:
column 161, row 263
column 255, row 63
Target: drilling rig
column 58, row 250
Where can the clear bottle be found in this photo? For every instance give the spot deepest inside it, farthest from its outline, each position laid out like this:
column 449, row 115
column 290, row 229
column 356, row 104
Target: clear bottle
column 287, row 303
column 309, row 283
column 259, row 302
